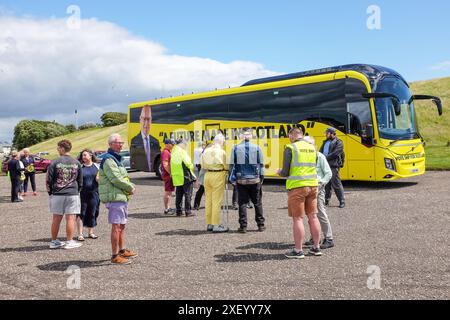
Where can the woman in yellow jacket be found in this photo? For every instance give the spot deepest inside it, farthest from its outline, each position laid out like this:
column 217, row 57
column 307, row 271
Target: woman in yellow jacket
column 215, row 165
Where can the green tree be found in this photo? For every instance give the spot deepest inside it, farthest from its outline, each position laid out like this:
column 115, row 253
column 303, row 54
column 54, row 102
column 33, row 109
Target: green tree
column 111, row 119
column 27, row 133
column 86, row 126
column 30, row 132
column 71, row 128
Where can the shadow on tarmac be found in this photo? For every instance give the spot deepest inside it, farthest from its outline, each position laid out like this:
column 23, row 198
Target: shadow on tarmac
column 182, row 232
column 266, row 245
column 150, row 216
column 25, row 249
column 248, row 257
column 5, row 199
column 64, row 265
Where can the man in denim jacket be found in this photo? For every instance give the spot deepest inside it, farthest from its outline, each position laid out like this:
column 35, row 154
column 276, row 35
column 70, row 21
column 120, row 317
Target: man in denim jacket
column 248, row 165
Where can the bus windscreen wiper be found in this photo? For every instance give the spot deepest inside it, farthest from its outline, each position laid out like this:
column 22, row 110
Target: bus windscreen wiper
column 396, row 140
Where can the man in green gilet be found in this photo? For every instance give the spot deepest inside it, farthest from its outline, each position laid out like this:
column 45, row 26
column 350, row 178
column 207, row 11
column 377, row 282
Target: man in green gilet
column 299, row 166
column 183, row 177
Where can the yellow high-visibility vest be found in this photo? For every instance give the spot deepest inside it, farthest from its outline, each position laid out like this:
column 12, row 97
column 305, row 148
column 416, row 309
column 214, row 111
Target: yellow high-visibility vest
column 177, row 158
column 303, row 171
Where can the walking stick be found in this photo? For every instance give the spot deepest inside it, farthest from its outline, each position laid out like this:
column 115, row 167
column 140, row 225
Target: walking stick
column 226, row 198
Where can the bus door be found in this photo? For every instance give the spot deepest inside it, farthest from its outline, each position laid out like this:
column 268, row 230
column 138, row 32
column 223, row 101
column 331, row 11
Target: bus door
column 359, row 150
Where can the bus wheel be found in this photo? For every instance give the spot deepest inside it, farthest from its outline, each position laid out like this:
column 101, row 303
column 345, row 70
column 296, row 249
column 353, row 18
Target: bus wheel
column 158, row 168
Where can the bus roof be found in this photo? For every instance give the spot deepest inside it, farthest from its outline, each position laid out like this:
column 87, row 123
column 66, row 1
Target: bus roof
column 372, row 72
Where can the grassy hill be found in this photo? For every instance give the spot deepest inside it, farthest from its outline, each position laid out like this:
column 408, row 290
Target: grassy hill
column 96, row 139
column 435, row 129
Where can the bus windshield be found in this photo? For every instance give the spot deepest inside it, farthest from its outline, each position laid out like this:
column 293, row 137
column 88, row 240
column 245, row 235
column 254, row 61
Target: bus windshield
column 391, row 126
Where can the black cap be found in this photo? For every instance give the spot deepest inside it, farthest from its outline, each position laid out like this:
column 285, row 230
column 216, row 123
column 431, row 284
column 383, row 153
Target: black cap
column 169, row 141
column 331, row 130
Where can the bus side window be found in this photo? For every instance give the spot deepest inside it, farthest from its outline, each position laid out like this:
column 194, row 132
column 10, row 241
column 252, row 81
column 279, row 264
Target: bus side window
column 359, row 118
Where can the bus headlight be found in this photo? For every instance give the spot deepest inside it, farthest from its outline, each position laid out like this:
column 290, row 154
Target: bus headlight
column 389, row 163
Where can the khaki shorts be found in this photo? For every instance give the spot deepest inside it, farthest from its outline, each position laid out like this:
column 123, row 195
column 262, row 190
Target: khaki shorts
column 302, row 201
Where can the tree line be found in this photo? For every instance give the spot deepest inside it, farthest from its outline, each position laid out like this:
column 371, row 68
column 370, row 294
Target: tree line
column 30, row 132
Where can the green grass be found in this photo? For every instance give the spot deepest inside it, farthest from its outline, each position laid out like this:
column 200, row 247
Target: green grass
column 438, row 157
column 95, row 139
column 434, row 129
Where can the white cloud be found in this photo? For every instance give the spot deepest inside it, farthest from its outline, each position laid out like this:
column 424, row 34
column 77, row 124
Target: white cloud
column 7, row 128
column 442, row 66
column 47, row 70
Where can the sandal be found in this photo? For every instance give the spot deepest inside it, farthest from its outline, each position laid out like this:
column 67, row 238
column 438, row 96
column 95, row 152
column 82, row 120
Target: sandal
column 80, row 238
column 93, row 236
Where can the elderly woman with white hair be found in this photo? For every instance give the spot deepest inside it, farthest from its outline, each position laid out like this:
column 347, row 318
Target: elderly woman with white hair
column 215, row 165
column 30, row 171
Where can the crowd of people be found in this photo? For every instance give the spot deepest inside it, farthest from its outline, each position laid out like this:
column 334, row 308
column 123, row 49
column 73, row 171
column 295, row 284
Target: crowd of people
column 21, row 171
column 76, row 187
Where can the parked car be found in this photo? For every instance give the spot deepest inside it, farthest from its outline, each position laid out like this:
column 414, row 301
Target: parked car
column 40, row 164
column 125, row 159
column 5, row 164
column 99, row 152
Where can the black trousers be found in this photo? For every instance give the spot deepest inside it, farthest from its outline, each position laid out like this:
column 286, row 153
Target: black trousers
column 235, row 194
column 198, row 196
column 32, row 177
column 337, row 186
column 15, row 188
column 245, row 194
column 186, row 192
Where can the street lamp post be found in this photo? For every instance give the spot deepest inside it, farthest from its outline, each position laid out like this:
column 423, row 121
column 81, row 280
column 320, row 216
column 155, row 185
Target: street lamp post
column 76, row 119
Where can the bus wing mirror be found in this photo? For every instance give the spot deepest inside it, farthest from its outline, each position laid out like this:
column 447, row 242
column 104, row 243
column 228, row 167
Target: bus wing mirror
column 369, row 130
column 436, row 100
column 355, row 124
column 369, row 135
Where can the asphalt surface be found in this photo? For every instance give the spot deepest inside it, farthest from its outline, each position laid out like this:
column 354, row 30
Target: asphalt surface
column 401, row 228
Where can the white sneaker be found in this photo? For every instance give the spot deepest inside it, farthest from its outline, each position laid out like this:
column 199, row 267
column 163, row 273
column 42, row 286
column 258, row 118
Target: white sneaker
column 72, row 245
column 56, row 244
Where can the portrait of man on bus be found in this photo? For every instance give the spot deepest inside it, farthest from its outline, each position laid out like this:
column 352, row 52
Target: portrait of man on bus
column 144, row 147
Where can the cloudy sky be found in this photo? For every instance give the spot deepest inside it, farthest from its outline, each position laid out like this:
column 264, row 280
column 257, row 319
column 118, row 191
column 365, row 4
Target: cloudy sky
column 95, row 56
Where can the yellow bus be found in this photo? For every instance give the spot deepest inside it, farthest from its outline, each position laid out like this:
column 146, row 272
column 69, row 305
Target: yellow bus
column 371, row 107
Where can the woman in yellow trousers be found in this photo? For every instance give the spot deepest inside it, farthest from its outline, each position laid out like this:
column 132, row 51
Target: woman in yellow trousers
column 214, row 163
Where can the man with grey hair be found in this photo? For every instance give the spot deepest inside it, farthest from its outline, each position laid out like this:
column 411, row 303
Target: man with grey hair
column 115, row 190
column 324, row 175
column 247, row 164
